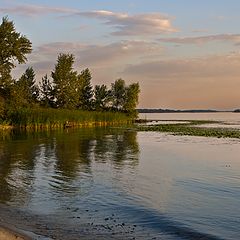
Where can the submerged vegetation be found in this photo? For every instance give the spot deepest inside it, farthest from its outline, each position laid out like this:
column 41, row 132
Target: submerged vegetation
column 66, row 97
column 192, row 128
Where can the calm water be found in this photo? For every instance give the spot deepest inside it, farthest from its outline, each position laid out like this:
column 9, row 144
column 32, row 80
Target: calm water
column 119, row 184
column 225, row 117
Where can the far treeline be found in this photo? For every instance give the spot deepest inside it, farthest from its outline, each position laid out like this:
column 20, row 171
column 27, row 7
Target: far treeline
column 64, row 90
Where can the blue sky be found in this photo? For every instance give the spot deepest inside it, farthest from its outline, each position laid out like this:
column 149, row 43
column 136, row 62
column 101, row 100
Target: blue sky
column 184, row 54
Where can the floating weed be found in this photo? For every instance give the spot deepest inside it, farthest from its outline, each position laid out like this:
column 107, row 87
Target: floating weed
column 192, row 129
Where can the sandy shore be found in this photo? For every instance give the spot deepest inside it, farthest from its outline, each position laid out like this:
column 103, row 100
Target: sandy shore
column 10, row 233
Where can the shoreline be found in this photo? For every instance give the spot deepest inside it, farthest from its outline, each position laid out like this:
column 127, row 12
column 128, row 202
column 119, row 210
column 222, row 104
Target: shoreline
column 65, row 125
column 14, row 225
column 11, row 233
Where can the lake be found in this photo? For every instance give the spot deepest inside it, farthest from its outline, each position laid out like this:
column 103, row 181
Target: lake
column 218, row 116
column 115, row 183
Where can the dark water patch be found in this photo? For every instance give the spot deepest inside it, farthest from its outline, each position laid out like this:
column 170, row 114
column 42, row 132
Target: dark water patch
column 160, row 223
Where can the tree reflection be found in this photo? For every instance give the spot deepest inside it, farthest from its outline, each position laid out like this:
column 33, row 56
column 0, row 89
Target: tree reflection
column 127, row 149
column 17, row 162
column 120, row 149
column 77, row 150
column 60, row 160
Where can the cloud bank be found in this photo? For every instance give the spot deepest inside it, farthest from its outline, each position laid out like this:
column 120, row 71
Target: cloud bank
column 206, row 67
column 123, row 23
column 203, row 39
column 35, row 10
column 106, row 61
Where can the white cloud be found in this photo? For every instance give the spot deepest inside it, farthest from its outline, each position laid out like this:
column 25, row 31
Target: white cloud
column 130, row 25
column 124, row 23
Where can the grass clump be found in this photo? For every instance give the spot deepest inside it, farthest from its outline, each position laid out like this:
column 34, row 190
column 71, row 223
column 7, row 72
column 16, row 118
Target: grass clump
column 55, row 118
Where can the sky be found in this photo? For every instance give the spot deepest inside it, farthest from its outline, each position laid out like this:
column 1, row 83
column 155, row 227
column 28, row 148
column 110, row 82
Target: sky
column 184, row 54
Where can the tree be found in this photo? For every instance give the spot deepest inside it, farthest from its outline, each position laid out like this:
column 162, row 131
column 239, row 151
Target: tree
column 65, row 81
column 86, row 91
column 118, row 93
column 46, row 92
column 28, row 82
column 131, row 98
column 101, row 97
column 24, row 92
column 13, row 47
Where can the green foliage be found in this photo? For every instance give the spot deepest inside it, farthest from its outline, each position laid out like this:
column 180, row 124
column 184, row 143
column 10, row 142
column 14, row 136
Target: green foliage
column 24, row 92
column 125, row 98
column 131, row 98
column 118, row 93
column 28, row 82
column 65, row 81
column 2, row 108
column 86, row 91
column 13, row 47
column 101, row 97
column 46, row 92
column 50, row 117
column 66, row 90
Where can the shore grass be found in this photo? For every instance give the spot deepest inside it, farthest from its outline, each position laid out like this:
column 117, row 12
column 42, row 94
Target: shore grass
column 192, row 129
column 44, row 118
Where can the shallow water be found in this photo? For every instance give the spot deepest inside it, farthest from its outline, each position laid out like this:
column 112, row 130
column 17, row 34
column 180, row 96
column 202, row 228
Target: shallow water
column 119, row 184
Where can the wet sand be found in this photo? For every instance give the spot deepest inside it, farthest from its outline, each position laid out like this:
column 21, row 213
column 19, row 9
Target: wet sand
column 10, row 233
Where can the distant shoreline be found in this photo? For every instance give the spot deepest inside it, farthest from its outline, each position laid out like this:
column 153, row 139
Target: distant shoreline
column 159, row 110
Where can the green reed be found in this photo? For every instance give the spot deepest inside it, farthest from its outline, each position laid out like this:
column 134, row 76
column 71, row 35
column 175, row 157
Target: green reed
column 55, row 118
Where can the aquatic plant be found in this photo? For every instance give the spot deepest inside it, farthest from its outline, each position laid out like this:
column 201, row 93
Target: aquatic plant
column 54, row 118
column 192, row 128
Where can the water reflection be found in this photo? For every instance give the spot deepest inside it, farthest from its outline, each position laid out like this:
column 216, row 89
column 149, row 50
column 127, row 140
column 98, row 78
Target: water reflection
column 17, row 162
column 37, row 165
column 95, row 181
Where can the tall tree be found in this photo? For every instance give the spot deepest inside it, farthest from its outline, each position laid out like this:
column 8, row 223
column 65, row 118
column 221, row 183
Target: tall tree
column 101, row 97
column 86, row 91
column 65, row 81
column 13, row 48
column 118, row 92
column 28, row 82
column 24, row 92
column 131, row 98
column 46, row 92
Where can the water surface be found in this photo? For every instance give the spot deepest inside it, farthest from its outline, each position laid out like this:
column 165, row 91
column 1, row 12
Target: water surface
column 119, row 184
column 228, row 117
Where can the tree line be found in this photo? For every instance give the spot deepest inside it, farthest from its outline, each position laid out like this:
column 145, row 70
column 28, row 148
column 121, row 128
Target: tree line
column 65, row 88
